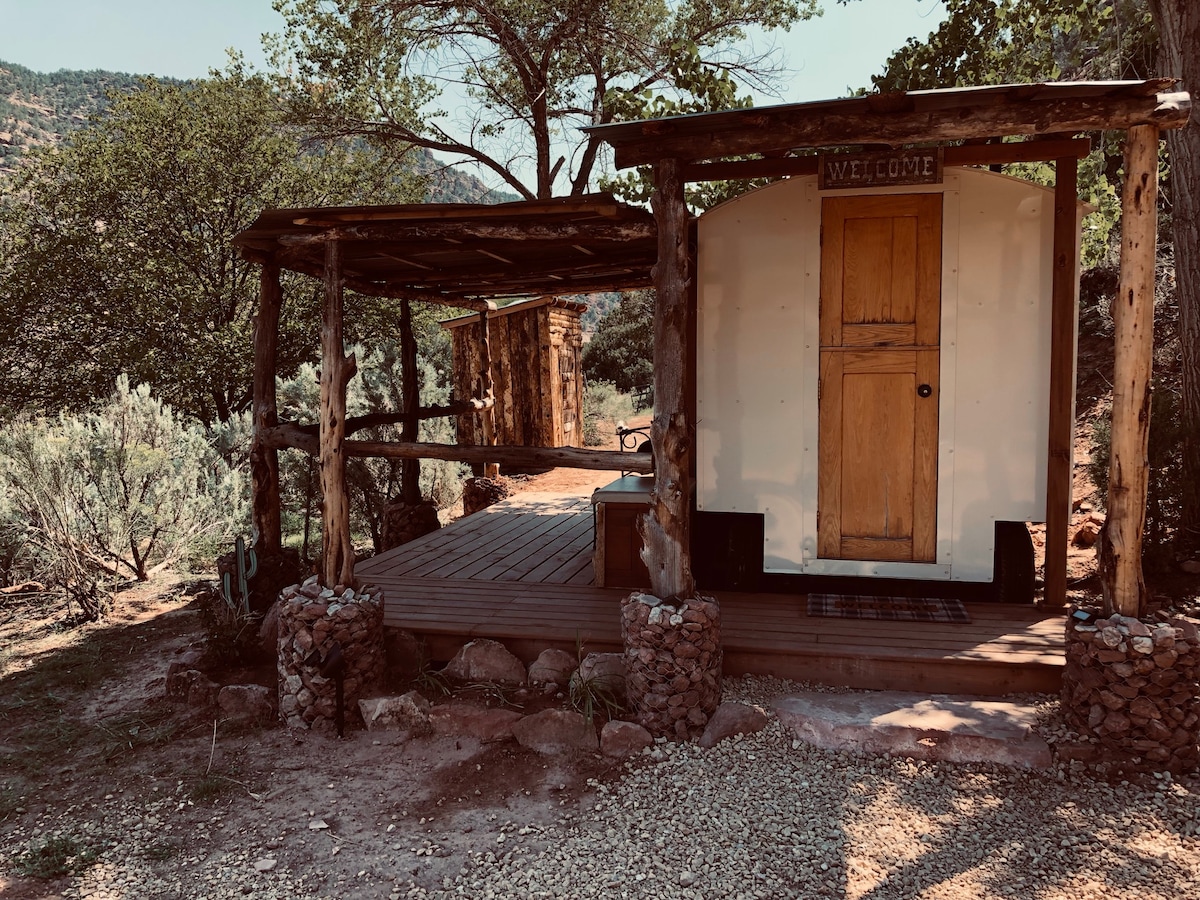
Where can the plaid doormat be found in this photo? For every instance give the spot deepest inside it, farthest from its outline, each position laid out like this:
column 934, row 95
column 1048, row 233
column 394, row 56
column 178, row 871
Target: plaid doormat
column 893, row 609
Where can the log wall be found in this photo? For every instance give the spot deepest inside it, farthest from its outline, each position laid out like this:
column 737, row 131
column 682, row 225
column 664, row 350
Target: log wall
column 537, row 373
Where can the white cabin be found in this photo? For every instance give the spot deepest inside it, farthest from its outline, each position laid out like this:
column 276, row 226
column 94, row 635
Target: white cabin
column 873, row 371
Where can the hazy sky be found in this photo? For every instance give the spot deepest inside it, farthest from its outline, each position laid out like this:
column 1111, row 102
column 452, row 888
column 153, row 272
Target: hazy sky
column 186, row 38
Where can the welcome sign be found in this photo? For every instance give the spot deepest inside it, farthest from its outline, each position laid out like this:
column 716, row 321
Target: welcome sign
column 880, row 169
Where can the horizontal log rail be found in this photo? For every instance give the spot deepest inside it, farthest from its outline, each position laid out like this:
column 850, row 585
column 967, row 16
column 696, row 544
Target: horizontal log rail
column 523, row 457
column 375, row 420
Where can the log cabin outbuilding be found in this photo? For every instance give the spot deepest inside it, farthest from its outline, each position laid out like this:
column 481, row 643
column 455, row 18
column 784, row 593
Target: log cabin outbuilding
column 864, row 366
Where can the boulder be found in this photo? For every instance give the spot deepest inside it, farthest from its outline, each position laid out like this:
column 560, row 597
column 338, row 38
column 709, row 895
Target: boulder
column 246, row 702
column 623, row 739
column 552, row 667
column 555, row 731
column 731, row 719
column 485, row 660
column 409, row 712
column 473, row 720
column 932, row 727
column 202, row 693
column 180, row 678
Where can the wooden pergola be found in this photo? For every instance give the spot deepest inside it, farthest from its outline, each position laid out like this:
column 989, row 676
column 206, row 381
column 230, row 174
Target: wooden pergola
column 466, row 256
column 463, row 256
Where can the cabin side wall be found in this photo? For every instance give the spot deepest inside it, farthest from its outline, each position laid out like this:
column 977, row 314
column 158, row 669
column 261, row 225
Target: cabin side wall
column 758, row 351
column 537, row 376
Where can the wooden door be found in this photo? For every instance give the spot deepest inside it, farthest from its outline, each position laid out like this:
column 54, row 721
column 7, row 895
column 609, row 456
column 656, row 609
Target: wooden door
column 878, row 440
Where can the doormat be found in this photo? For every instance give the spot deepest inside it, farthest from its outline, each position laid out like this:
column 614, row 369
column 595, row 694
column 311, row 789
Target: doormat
column 892, row 609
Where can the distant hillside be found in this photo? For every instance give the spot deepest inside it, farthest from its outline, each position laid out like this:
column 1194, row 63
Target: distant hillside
column 38, row 109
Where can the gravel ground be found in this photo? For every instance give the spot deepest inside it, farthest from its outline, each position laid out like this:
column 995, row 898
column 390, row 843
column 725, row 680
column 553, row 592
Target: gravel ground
column 761, row 816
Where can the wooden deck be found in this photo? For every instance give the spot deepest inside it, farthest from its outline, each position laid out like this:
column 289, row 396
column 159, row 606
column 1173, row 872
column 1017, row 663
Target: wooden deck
column 520, row 572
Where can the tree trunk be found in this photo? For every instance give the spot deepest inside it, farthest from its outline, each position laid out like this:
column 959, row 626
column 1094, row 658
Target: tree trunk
column 411, row 476
column 666, row 529
column 337, row 553
column 1178, row 24
column 1133, row 325
column 264, row 460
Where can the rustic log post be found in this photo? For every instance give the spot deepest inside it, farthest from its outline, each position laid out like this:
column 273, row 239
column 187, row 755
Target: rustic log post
column 486, row 392
column 264, row 459
column 410, row 483
column 666, row 529
column 1133, row 334
column 337, row 553
column 1062, row 379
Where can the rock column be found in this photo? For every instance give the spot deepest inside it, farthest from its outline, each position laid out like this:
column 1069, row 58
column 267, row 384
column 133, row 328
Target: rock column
column 673, row 650
column 312, row 618
column 1133, row 687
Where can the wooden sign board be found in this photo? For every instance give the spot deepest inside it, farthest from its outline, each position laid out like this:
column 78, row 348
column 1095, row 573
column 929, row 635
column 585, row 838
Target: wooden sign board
column 879, row 169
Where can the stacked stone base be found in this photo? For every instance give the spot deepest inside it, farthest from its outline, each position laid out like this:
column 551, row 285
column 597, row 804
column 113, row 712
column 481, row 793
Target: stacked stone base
column 480, row 493
column 1133, row 688
column 673, row 650
column 312, row 618
column 404, row 522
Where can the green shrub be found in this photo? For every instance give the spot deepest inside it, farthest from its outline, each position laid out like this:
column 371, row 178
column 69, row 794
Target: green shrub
column 110, row 495
column 54, row 858
column 603, row 407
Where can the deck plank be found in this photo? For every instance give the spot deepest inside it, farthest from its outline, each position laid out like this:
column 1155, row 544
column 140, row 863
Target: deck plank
column 521, row 572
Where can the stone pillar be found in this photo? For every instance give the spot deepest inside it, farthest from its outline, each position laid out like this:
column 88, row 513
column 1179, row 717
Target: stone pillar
column 1133, row 688
column 312, row 618
column 673, row 650
column 405, row 521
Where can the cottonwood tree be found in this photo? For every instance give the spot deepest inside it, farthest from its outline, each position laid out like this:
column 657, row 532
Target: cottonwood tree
column 1178, row 24
column 116, row 253
column 521, row 75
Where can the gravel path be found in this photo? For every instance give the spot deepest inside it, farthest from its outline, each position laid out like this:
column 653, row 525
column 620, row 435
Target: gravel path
column 757, row 817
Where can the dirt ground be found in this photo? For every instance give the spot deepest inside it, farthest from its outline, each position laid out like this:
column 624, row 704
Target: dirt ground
column 91, row 746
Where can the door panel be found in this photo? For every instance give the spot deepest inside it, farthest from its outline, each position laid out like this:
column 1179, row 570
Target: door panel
column 880, row 307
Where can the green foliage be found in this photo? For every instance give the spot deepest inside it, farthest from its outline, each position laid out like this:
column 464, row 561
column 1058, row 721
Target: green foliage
column 378, row 388
column 116, row 253
column 113, row 493
column 622, row 349
column 603, row 408
column 1012, row 41
column 55, row 857
column 533, row 71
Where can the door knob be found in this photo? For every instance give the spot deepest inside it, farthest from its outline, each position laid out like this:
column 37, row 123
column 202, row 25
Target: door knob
column 924, row 390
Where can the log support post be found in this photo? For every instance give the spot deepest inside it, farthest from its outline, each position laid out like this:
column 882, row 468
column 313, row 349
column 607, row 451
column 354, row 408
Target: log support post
column 337, row 553
column 1063, row 318
column 264, row 459
column 1133, row 325
column 666, row 529
column 487, row 392
column 410, row 482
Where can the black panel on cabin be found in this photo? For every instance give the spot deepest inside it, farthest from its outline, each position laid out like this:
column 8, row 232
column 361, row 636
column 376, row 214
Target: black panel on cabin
column 727, row 550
